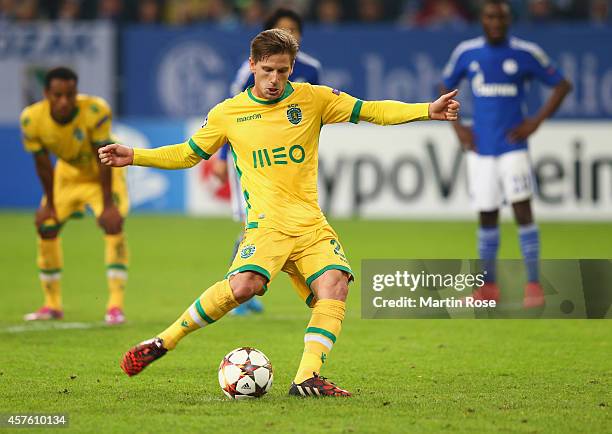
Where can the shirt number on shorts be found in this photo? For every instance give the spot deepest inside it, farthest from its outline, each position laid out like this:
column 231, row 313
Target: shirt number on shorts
column 521, row 183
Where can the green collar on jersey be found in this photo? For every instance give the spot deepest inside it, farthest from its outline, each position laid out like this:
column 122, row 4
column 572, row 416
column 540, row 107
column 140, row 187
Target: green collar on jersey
column 72, row 117
column 288, row 91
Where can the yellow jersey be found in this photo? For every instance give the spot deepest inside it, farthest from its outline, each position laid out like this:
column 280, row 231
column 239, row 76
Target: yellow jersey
column 72, row 143
column 275, row 148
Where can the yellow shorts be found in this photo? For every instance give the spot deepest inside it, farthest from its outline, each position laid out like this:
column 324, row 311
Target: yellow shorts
column 303, row 258
column 72, row 196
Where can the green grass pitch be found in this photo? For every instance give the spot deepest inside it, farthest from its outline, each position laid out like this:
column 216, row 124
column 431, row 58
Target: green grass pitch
column 407, row 375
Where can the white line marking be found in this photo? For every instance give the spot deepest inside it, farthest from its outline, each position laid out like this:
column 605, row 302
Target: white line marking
column 53, row 325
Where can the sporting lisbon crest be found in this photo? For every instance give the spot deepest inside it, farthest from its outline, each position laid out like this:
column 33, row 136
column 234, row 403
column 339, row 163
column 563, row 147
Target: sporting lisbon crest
column 294, row 114
column 247, row 251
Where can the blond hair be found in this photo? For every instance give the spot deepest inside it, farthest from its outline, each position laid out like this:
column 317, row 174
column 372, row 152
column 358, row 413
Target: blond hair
column 271, row 42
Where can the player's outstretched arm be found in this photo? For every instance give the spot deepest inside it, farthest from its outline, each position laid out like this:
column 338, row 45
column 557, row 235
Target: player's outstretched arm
column 444, row 108
column 179, row 156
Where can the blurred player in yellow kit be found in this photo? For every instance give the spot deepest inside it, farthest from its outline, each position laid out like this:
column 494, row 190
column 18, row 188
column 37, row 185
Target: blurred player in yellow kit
column 273, row 128
column 72, row 126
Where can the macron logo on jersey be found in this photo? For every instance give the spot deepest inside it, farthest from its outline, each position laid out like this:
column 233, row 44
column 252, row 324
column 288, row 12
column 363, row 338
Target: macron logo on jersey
column 248, row 118
column 483, row 89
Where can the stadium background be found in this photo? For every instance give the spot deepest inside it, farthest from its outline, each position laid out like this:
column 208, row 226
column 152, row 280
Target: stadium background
column 162, row 77
column 162, row 65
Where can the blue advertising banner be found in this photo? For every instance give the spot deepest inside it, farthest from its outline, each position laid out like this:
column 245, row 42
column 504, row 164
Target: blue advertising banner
column 153, row 189
column 184, row 72
column 179, row 73
column 149, row 189
column 415, row 171
column 19, row 185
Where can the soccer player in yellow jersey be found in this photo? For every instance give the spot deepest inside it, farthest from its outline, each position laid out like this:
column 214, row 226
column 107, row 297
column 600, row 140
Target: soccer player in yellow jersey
column 72, row 126
column 273, row 128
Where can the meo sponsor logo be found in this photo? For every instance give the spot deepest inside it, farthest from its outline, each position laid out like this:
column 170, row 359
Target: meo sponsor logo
column 280, row 155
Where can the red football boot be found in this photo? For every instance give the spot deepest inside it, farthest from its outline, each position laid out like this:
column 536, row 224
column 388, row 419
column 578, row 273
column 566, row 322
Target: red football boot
column 142, row 355
column 488, row 291
column 534, row 295
column 317, row 386
column 114, row 316
column 44, row 314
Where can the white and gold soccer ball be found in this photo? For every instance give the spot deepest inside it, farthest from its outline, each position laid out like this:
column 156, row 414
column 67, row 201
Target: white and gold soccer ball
column 245, row 373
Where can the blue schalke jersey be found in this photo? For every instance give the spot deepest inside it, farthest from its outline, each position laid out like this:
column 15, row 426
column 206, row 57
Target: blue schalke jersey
column 305, row 70
column 498, row 76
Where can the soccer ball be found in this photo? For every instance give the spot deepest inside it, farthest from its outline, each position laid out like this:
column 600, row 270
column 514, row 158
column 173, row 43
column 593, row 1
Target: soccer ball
column 245, row 373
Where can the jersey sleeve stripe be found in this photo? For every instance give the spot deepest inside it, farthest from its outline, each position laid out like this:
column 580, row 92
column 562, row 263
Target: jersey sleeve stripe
column 241, row 79
column 458, row 51
column 235, row 157
column 356, row 111
column 198, row 151
column 308, row 60
column 534, row 49
column 104, row 119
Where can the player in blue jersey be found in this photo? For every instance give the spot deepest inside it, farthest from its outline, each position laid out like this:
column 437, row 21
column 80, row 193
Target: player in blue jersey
column 305, row 70
column 499, row 67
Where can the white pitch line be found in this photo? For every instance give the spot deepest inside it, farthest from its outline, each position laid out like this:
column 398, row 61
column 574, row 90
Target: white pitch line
column 48, row 326
column 45, row 326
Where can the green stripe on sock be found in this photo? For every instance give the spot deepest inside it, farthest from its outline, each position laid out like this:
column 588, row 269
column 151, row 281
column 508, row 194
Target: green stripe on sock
column 323, row 332
column 200, row 310
column 116, row 267
column 52, row 228
column 51, row 271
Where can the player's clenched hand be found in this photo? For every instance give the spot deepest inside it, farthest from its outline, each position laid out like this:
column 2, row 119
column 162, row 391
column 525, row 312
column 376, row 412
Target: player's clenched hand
column 110, row 220
column 116, row 155
column 523, row 131
column 45, row 216
column 445, row 108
